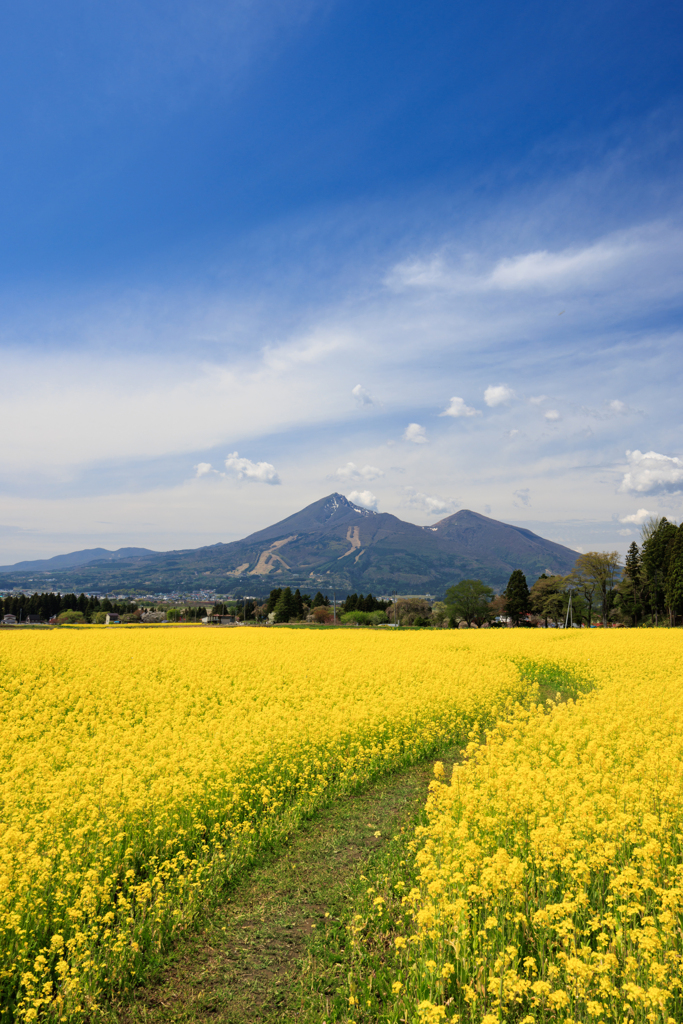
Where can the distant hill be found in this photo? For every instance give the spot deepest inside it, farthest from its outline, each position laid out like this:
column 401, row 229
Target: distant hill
column 331, row 543
column 85, row 557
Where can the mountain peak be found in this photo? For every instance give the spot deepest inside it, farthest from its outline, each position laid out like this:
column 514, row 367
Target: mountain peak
column 336, row 501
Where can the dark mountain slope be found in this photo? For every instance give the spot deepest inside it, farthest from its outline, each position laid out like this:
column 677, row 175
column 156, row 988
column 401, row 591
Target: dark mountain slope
column 333, row 543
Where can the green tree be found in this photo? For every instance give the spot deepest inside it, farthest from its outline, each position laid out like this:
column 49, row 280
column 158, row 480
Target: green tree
column 657, row 549
column 285, row 607
column 630, row 589
column 547, row 597
column 517, row 596
column 596, row 572
column 70, row 617
column 674, row 577
column 469, row 600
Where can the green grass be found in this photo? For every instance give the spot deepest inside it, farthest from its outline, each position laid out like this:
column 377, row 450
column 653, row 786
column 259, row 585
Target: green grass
column 277, row 946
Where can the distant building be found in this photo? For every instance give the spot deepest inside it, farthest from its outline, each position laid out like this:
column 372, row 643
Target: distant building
column 9, row 620
column 34, row 619
column 112, row 617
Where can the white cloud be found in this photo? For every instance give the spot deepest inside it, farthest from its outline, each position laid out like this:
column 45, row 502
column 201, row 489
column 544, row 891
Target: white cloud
column 458, row 408
column 538, row 399
column 204, row 468
column 415, row 433
column 638, row 518
column 498, row 394
column 543, row 269
column 351, row 472
column 522, row 497
column 625, row 533
column 429, row 503
column 552, row 415
column 618, row 408
column 362, row 396
column 245, row 469
column 651, row 473
column 365, row 498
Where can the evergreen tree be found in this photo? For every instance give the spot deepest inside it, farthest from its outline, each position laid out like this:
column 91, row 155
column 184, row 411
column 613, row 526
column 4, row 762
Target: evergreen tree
column 273, row 599
column 285, row 607
column 298, row 605
column 516, row 596
column 631, row 586
column 674, row 577
column 319, row 600
column 655, row 563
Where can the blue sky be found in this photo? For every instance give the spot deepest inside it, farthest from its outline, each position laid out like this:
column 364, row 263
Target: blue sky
column 427, row 254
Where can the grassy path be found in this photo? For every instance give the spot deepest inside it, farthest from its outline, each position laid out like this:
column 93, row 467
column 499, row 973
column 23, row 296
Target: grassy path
column 274, row 950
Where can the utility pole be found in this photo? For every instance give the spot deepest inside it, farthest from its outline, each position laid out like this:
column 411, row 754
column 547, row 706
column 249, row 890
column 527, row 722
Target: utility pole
column 569, row 621
column 395, row 611
column 334, row 594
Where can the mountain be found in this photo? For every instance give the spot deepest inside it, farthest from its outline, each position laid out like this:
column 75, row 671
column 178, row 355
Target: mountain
column 75, row 558
column 331, row 544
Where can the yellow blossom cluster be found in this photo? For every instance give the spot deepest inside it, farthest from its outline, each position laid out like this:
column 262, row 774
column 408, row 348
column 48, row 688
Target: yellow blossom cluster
column 549, row 881
column 140, row 769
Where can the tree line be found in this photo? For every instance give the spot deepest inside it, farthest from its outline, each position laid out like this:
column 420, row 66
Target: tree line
column 47, row 606
column 285, row 605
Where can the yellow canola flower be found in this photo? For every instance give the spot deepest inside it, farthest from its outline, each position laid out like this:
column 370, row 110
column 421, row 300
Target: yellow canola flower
column 551, row 867
column 141, row 768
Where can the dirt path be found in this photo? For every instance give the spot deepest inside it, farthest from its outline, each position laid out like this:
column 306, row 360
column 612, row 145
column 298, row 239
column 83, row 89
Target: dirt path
column 252, row 963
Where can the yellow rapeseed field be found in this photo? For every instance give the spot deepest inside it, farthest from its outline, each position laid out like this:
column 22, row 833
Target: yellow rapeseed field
column 548, row 883
column 139, row 768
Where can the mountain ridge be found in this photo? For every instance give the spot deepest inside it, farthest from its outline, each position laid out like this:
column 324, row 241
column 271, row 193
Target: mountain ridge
column 330, row 543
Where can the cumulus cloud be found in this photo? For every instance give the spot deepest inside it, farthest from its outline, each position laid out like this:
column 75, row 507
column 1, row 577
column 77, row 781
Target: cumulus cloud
column 362, row 396
column 618, row 408
column 415, row 433
column 365, row 498
column 638, row 518
column 430, row 503
column 351, row 472
column 552, row 415
column 458, row 408
column 651, row 473
column 204, row 468
column 522, row 497
column 498, row 394
column 245, row 469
